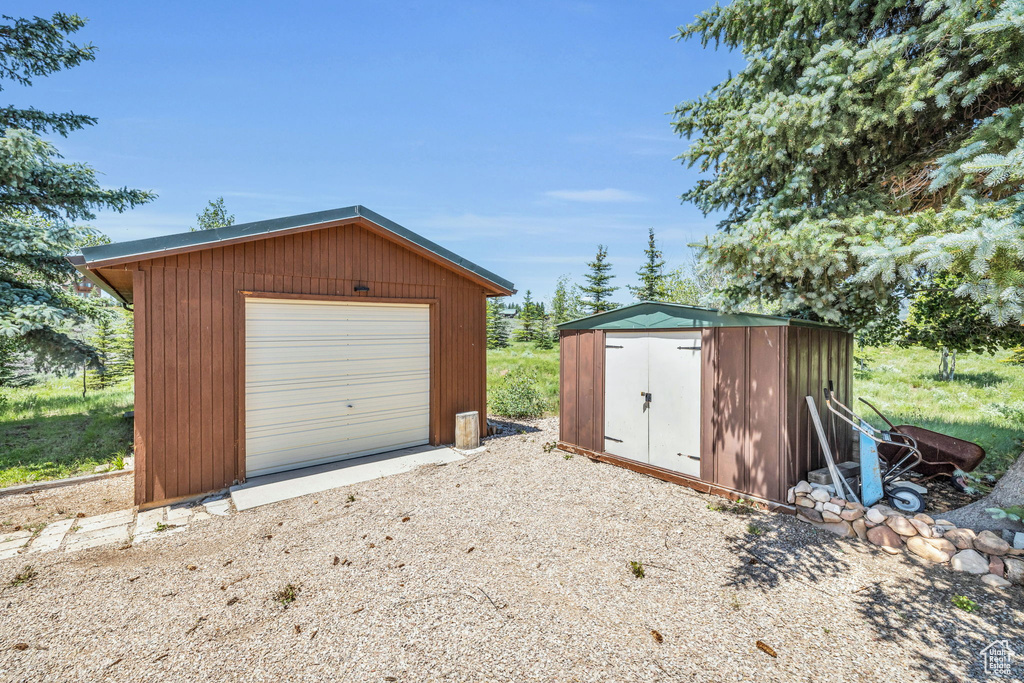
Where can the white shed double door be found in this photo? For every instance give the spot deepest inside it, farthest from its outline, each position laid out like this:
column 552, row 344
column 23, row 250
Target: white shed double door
column 328, row 381
column 652, row 398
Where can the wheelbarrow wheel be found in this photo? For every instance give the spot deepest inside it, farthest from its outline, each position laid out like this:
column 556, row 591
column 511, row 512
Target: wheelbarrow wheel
column 906, row 499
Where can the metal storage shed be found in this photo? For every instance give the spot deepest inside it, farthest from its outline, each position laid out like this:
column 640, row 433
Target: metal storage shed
column 711, row 400
column 291, row 342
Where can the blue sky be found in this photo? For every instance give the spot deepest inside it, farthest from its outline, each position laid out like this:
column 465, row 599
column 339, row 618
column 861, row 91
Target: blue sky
column 520, row 135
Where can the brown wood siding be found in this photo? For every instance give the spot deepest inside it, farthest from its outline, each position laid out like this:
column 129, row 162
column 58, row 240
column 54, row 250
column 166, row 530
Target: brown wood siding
column 581, row 388
column 190, row 327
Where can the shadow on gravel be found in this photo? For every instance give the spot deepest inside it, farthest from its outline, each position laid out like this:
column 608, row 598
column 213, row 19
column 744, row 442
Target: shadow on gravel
column 919, row 610
column 915, row 610
column 782, row 553
column 507, row 427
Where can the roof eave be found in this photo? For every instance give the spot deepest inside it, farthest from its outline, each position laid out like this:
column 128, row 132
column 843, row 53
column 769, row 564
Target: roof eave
column 78, row 261
column 193, row 241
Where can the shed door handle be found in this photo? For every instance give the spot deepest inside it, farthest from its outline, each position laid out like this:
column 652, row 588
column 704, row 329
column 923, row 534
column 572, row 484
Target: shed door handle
column 646, row 395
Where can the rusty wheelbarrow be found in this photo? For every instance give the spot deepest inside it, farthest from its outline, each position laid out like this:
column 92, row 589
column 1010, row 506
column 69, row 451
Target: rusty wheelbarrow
column 941, row 455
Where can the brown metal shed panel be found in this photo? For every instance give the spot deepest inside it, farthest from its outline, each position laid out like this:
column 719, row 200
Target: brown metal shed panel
column 731, row 396
column 763, row 461
column 189, row 317
column 581, row 391
column 815, row 356
column 708, row 420
column 568, row 385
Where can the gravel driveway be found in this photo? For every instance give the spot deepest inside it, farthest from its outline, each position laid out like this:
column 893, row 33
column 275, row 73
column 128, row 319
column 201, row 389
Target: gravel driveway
column 511, row 565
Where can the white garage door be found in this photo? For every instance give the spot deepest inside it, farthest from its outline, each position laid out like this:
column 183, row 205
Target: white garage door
column 328, row 381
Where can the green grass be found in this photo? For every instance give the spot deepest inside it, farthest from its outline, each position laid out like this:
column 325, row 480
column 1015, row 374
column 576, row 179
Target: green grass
column 49, row 431
column 544, row 364
column 984, row 404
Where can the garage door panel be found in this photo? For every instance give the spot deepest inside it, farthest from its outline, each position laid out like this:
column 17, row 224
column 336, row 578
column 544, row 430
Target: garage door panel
column 323, row 409
column 340, row 395
column 340, row 373
column 329, row 381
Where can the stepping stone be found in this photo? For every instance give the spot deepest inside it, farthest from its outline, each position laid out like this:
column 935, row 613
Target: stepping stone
column 18, row 535
column 220, row 506
column 146, row 521
column 92, row 539
column 51, row 536
column 106, row 520
column 178, row 516
column 12, row 542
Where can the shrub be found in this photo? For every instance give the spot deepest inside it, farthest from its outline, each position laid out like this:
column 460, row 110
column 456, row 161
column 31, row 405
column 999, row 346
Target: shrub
column 517, row 395
column 1016, row 356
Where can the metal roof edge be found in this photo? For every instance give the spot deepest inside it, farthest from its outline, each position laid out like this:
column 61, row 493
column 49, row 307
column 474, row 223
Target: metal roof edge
column 153, row 246
column 79, row 263
column 707, row 314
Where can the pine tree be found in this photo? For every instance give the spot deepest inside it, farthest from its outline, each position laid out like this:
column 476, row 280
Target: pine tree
column 215, row 215
column 865, row 147
column 546, row 336
column 652, row 277
column 497, row 324
column 529, row 316
column 102, row 339
column 121, row 364
column 42, row 196
column 598, row 288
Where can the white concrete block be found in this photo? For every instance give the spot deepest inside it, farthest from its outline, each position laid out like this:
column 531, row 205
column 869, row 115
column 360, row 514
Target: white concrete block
column 146, row 521
column 51, row 536
column 106, row 520
column 8, row 536
column 178, row 516
column 220, row 507
column 90, row 539
column 14, row 544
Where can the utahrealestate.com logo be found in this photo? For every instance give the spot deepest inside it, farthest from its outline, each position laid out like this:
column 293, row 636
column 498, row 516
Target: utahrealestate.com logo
column 998, row 658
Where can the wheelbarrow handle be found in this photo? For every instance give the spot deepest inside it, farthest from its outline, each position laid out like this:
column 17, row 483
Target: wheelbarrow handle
column 879, row 413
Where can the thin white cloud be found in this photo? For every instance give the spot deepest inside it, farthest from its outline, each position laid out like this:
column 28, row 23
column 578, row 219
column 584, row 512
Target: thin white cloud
column 606, row 195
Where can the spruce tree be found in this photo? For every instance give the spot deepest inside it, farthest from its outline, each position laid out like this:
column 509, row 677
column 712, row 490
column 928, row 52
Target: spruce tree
column 42, row 197
column 546, row 336
column 529, row 316
column 102, row 340
column 497, row 324
column 864, row 148
column 121, row 364
column 598, row 288
column 652, row 276
column 215, row 215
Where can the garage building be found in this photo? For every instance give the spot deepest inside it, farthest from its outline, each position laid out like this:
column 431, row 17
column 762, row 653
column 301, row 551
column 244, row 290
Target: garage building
column 292, row 342
column 711, row 400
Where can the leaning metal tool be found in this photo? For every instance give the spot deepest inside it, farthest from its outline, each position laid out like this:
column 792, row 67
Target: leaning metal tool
column 842, row 487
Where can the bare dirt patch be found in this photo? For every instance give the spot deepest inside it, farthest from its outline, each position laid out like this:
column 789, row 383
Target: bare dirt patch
column 512, row 565
column 49, row 505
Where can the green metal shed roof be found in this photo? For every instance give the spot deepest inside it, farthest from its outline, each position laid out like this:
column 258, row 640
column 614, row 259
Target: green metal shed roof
column 151, row 247
column 656, row 315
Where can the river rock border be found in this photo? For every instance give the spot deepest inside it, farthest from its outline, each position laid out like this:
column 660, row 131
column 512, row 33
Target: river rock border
column 937, row 541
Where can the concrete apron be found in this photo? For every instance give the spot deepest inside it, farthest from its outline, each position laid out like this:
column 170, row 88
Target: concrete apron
column 273, row 488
